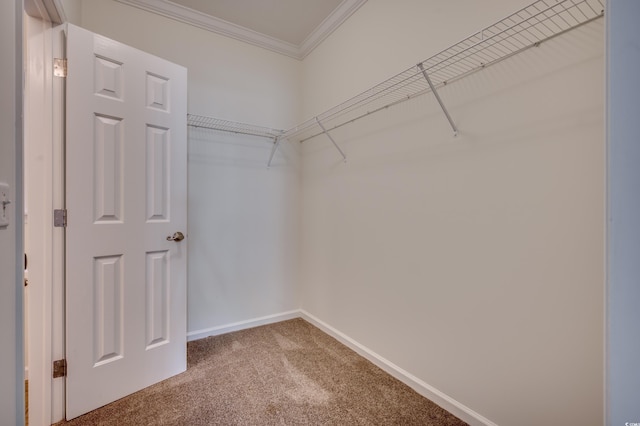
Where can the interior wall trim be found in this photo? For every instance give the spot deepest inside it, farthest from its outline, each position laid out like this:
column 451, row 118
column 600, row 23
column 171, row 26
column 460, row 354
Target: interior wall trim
column 242, row 325
column 329, row 25
column 186, row 15
column 47, row 10
column 443, row 400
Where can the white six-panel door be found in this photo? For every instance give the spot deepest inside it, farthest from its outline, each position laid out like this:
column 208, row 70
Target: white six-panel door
column 126, row 193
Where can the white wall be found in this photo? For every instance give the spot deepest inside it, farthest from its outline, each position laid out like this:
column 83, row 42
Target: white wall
column 474, row 263
column 376, row 44
column 243, row 217
column 623, row 314
column 11, row 334
column 73, row 11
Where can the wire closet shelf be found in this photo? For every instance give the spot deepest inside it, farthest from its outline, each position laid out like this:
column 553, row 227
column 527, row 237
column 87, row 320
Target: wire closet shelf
column 528, row 27
column 199, row 121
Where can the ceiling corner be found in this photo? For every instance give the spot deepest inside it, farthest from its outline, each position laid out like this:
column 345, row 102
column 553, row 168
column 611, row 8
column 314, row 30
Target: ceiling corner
column 329, row 25
column 189, row 16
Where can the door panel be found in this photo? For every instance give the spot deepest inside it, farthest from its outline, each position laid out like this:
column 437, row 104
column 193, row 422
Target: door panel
column 125, row 193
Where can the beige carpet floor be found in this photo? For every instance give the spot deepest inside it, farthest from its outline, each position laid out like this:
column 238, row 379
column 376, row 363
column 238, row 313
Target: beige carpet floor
column 288, row 373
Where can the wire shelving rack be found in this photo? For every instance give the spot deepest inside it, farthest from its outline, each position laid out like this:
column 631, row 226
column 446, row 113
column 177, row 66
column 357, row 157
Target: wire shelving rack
column 526, row 28
column 221, row 125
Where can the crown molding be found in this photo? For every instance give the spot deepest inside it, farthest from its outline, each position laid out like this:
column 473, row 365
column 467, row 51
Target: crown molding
column 329, row 25
column 189, row 16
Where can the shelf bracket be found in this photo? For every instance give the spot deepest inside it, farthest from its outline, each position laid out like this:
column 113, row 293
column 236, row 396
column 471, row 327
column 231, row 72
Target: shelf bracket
column 330, row 138
column 276, row 142
column 435, row 93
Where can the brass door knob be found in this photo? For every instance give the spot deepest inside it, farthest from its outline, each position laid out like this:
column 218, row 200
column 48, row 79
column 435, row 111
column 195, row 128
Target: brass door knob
column 177, row 236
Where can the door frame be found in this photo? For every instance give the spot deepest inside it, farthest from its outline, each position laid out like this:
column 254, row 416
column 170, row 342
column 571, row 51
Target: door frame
column 38, row 142
column 44, row 319
column 44, row 190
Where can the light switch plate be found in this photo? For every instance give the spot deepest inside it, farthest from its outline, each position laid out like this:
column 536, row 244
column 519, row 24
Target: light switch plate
column 5, row 200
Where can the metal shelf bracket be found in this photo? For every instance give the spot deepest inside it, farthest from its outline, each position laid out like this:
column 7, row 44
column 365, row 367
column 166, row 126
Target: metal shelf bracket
column 330, row 138
column 435, row 93
column 274, row 148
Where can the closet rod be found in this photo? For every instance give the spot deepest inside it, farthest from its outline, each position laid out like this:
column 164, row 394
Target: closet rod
column 527, row 27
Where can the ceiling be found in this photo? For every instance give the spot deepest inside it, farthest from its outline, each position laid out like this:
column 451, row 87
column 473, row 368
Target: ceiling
column 288, row 20
column 290, row 27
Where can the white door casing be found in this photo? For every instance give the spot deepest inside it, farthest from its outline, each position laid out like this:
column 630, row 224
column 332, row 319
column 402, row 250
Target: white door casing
column 126, row 191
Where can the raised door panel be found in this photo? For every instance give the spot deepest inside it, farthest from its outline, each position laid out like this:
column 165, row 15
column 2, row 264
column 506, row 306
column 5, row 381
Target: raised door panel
column 126, row 192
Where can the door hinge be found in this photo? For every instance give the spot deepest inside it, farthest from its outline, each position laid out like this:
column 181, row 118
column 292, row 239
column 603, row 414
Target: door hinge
column 60, row 67
column 60, row 218
column 59, row 368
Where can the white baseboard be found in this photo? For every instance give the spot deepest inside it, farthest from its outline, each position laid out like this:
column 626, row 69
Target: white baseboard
column 451, row 405
column 242, row 325
column 443, row 400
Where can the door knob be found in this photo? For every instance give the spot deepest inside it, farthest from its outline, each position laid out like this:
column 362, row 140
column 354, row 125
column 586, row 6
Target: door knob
column 177, row 236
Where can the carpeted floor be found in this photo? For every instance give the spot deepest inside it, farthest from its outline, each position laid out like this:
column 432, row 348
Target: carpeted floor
column 288, row 373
